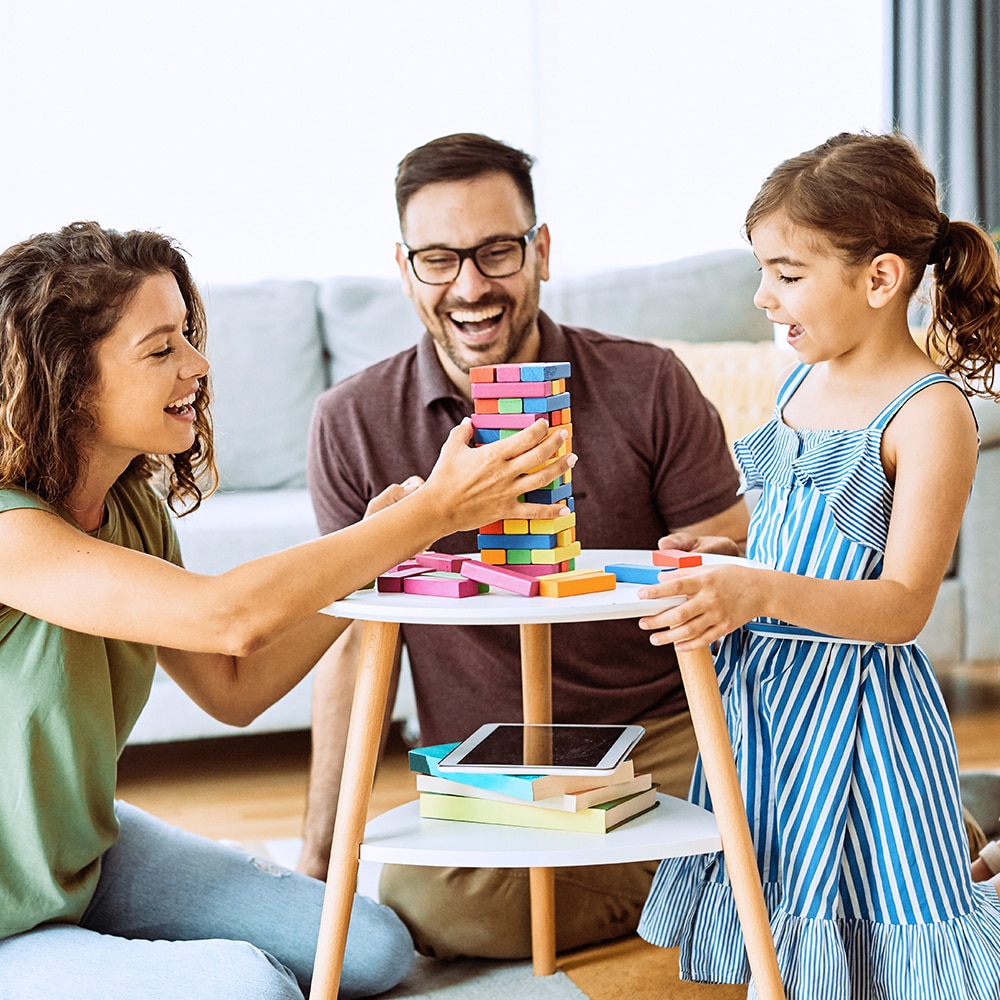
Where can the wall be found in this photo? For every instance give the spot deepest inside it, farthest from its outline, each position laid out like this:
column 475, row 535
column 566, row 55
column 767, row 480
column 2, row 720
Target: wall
column 265, row 136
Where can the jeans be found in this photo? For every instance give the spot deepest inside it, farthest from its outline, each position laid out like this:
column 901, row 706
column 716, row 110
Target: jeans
column 179, row 916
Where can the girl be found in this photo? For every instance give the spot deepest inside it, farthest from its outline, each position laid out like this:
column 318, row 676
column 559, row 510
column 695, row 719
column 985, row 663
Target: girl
column 104, row 391
column 842, row 741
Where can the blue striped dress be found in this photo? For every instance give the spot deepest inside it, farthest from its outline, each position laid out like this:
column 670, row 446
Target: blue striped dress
column 846, row 760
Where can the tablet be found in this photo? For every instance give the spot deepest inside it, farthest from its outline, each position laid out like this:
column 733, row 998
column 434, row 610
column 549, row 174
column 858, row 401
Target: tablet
column 512, row 748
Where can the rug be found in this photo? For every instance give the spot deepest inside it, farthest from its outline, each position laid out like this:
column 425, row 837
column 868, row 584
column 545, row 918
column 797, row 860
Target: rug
column 480, row 979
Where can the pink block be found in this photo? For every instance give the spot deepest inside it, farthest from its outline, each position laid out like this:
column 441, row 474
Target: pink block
column 500, row 577
column 443, row 562
column 392, row 582
column 675, row 558
column 538, row 569
column 503, row 420
column 511, row 390
column 508, row 373
column 432, row 585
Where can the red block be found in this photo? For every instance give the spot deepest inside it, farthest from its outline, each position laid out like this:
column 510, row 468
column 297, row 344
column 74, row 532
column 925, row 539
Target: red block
column 675, row 558
column 500, row 577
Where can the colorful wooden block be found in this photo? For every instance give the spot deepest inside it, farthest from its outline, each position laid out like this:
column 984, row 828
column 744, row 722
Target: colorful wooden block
column 627, row 573
column 495, row 557
column 516, row 541
column 440, row 585
column 497, row 420
column 497, row 390
column 555, row 555
column 483, row 373
column 545, row 372
column 442, row 561
column 508, row 406
column 548, row 494
column 575, row 582
column 539, row 569
column 500, row 577
column 488, row 406
column 512, row 526
column 675, row 558
column 392, row 582
column 493, row 528
column 486, row 435
column 551, row 526
column 508, row 373
column 544, row 404
column 517, row 557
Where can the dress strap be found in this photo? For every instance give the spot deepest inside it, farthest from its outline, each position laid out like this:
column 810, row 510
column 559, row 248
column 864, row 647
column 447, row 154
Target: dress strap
column 893, row 406
column 792, row 381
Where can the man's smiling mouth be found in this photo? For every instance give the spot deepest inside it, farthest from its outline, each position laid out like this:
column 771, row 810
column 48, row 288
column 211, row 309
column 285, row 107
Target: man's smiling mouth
column 474, row 322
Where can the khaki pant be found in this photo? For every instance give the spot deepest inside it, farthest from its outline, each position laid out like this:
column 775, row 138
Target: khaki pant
column 485, row 912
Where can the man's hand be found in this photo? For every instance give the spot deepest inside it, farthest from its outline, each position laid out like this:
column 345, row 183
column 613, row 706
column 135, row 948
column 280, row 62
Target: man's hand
column 391, row 494
column 717, row 544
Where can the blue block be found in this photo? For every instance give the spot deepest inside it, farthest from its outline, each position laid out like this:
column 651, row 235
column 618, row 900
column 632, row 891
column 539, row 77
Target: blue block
column 545, row 404
column 561, row 492
column 545, row 373
column 516, row 541
column 625, row 573
column 486, row 435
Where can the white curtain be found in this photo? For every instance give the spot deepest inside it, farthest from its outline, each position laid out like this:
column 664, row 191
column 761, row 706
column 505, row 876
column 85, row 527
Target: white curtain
column 945, row 87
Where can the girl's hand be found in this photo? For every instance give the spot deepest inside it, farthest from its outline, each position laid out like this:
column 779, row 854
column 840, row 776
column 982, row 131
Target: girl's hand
column 718, row 544
column 474, row 486
column 718, row 599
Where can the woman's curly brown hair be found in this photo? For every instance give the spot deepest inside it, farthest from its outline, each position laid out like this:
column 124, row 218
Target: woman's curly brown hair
column 61, row 293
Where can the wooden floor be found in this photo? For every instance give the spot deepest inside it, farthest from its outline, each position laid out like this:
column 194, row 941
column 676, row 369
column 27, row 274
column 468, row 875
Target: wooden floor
column 252, row 789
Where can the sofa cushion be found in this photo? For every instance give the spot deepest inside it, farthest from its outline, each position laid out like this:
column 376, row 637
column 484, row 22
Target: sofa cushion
column 364, row 320
column 705, row 297
column 268, row 367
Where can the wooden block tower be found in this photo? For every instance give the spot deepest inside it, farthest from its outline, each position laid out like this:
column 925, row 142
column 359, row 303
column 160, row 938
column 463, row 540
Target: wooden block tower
column 508, row 398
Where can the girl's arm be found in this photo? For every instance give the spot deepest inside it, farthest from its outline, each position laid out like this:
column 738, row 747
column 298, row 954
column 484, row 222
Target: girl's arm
column 54, row 572
column 930, row 449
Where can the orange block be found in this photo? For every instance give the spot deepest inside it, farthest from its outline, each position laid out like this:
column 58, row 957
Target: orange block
column 483, row 373
column 575, row 582
column 675, row 558
column 487, row 406
column 495, row 557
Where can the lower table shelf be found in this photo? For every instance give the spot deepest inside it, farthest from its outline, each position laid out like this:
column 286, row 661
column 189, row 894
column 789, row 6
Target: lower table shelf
column 674, row 829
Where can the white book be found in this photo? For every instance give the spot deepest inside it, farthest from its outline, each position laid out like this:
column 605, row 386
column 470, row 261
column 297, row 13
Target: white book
column 567, row 802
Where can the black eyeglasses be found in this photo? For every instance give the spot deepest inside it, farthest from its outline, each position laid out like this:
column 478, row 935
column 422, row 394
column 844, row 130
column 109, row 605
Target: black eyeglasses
column 495, row 259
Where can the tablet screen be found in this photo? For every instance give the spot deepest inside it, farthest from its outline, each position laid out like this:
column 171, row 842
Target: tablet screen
column 510, row 745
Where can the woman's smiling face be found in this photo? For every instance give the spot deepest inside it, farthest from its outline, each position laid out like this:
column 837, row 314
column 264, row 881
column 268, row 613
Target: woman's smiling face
column 148, row 377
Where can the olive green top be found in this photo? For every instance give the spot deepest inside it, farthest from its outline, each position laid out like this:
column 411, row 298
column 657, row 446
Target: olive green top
column 67, row 704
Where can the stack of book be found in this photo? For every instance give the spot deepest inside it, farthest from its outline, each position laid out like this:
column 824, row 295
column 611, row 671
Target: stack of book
column 586, row 804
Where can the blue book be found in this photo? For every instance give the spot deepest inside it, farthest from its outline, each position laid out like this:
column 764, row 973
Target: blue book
column 530, row 787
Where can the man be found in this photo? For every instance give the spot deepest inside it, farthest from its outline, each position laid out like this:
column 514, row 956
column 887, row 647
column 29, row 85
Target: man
column 652, row 460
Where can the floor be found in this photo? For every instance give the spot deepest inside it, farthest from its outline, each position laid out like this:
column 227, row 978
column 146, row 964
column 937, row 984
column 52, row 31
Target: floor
column 252, row 789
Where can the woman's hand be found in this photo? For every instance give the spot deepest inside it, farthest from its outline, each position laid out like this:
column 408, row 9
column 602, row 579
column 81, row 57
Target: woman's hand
column 474, row 486
column 392, row 494
column 717, row 600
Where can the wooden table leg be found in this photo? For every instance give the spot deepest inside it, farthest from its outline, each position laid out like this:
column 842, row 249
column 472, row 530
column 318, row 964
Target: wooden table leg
column 378, row 651
column 536, row 700
column 702, row 687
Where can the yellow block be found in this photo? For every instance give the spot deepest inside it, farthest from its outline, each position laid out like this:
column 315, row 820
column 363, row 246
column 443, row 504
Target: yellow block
column 540, row 526
column 515, row 526
column 549, row 557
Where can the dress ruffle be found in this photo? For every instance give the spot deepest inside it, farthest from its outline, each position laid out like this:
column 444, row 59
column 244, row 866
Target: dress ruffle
column 845, row 468
column 957, row 959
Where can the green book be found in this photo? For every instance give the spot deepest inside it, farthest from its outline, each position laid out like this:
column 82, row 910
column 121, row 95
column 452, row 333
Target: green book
column 530, row 787
column 595, row 819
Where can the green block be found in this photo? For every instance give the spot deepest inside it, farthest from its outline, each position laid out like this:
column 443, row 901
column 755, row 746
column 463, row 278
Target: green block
column 519, row 557
column 510, row 406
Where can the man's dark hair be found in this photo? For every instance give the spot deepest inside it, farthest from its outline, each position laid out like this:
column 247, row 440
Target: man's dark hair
column 460, row 157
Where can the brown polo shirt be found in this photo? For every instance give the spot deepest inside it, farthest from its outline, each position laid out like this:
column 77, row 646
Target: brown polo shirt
column 652, row 458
